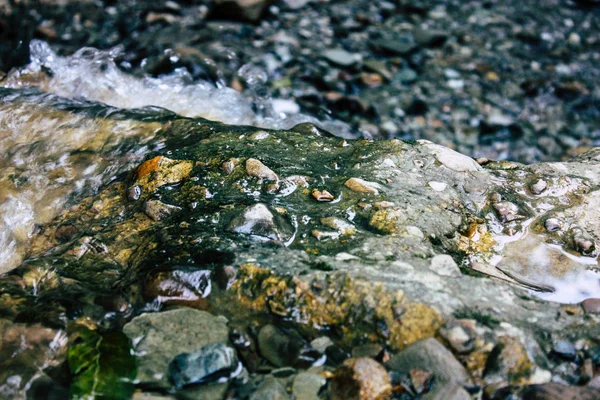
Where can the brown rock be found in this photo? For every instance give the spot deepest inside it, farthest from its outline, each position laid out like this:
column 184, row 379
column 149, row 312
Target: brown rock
column 322, row 195
column 362, row 186
column 181, row 286
column 360, row 379
column 555, row 391
column 591, row 306
column 66, row 233
column 256, row 168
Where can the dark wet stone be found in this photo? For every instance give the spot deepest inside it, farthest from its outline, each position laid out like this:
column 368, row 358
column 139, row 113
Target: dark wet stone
column 259, row 221
column 336, row 355
column 372, row 350
column 360, row 379
column 181, row 285
column 214, row 362
column 430, row 355
column 555, row 391
column 395, row 46
column 134, row 193
column 565, row 349
column 278, row 347
column 246, row 348
column 247, row 10
column 430, row 37
column 66, row 233
column 193, row 329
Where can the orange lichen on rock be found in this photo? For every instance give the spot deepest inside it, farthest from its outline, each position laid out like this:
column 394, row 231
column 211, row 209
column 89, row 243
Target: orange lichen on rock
column 355, row 309
column 147, row 167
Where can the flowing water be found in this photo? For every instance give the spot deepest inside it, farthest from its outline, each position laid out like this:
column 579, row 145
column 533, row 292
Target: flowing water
column 49, row 158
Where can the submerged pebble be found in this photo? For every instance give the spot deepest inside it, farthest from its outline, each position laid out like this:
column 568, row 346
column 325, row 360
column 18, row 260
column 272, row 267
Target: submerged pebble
column 214, row 362
column 259, row 221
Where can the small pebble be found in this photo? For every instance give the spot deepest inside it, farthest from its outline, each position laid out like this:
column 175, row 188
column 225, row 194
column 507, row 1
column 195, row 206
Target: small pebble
column 322, row 195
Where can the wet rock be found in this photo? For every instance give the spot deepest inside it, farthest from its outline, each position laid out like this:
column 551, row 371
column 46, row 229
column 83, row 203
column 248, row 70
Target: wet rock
column 430, row 37
column 361, row 379
column 565, row 349
column 157, row 210
column 256, row 168
column 66, row 233
column 339, row 57
column 583, row 243
column 322, row 195
column 26, row 351
column 248, row 10
column 180, row 286
column 307, row 386
column 134, row 193
column 431, row 356
column 362, row 186
column 152, row 336
column 259, row 221
column 507, row 211
column 591, row 306
column 279, row 348
column 213, row 362
column 372, row 350
column 552, row 224
column 321, row 344
column 270, row 389
column 538, row 186
column 397, row 46
column 343, row 227
column 552, row 391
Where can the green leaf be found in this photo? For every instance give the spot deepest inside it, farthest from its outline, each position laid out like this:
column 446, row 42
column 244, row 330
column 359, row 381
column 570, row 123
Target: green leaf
column 102, row 365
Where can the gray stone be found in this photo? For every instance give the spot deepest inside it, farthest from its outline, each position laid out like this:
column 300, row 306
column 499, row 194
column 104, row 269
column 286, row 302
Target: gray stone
column 431, row 356
column 447, row 391
column 270, row 389
column 340, row 57
column 159, row 337
column 277, row 347
column 307, row 386
column 321, row 344
column 211, row 363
